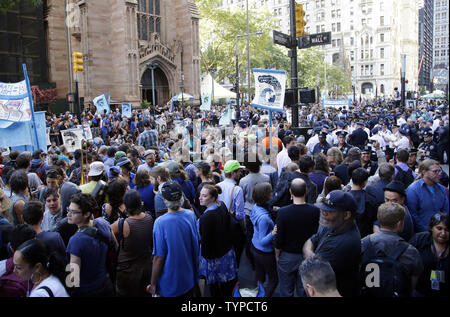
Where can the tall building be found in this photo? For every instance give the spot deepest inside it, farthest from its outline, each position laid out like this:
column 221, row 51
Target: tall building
column 119, row 40
column 425, row 63
column 368, row 38
column 441, row 45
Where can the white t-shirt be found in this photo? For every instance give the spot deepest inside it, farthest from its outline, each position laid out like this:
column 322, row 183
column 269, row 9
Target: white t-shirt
column 54, row 284
column 2, row 267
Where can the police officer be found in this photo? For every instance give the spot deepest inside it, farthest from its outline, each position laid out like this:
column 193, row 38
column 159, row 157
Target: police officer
column 412, row 160
column 342, row 144
column 366, row 160
column 359, row 137
column 323, row 145
column 403, row 141
column 428, row 149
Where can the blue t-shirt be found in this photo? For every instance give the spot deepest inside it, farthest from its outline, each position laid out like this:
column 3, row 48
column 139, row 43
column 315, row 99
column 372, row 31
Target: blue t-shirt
column 93, row 256
column 53, row 241
column 175, row 238
column 159, row 202
column 148, row 197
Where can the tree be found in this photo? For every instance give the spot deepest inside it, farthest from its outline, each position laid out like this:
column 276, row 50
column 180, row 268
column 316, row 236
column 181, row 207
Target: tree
column 218, row 30
column 6, row 5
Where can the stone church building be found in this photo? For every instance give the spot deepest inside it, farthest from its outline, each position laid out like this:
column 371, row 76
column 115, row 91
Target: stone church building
column 120, row 41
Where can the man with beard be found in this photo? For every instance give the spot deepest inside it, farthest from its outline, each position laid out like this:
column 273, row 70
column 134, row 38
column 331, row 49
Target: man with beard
column 338, row 240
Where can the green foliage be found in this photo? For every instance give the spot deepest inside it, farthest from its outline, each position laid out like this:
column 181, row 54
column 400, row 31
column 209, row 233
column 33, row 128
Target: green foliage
column 145, row 104
column 218, row 30
column 9, row 4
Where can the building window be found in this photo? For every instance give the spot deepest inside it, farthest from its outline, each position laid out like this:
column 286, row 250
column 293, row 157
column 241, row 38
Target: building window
column 352, row 41
column 382, row 52
column 148, row 19
column 352, row 55
column 381, row 21
column 362, row 54
column 371, row 69
column 381, row 37
column 323, row 28
column 317, row 28
column 339, row 42
column 338, row 27
column 381, row 69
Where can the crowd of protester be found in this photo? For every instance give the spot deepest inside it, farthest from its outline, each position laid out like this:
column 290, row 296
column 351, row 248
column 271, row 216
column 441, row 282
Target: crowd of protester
column 168, row 202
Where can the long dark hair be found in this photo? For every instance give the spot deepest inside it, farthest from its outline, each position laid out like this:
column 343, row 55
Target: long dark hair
column 36, row 251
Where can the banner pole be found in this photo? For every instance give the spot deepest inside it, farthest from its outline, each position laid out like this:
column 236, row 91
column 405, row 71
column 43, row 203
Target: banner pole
column 270, row 130
column 30, row 98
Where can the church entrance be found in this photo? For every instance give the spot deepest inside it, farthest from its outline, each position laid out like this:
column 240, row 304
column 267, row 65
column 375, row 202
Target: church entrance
column 161, row 86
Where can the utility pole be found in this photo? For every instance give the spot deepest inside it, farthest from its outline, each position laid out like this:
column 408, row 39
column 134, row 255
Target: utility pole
column 402, row 75
column 293, row 56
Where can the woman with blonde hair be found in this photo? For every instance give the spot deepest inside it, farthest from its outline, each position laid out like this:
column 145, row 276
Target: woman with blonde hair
column 334, row 157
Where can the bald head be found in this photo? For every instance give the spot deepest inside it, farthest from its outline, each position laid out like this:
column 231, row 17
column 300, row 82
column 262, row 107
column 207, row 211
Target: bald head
column 298, row 188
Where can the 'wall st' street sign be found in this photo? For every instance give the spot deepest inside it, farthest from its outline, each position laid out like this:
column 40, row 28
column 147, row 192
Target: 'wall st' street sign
column 306, row 41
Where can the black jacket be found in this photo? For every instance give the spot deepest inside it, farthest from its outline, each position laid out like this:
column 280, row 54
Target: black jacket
column 216, row 229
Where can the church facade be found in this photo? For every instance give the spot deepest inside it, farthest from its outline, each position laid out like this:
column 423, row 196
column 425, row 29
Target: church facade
column 121, row 40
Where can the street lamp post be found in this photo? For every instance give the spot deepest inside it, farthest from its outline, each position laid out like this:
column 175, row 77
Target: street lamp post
column 238, row 112
column 152, row 67
column 213, row 72
column 402, row 74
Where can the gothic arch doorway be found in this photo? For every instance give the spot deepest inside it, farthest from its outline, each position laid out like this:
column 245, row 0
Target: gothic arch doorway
column 162, row 92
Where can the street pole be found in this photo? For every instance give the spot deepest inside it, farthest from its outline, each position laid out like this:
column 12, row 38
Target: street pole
column 402, row 74
column 213, row 71
column 248, row 57
column 238, row 110
column 152, row 67
column 238, row 113
column 294, row 72
column 77, row 98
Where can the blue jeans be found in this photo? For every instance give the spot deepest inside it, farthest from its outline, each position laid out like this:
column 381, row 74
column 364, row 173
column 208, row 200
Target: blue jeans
column 289, row 281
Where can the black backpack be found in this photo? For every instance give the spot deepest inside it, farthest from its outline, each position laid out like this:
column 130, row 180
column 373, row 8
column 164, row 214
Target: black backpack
column 406, row 178
column 393, row 281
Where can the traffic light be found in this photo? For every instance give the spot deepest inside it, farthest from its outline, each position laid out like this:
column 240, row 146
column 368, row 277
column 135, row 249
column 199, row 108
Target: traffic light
column 77, row 60
column 70, row 97
column 299, row 19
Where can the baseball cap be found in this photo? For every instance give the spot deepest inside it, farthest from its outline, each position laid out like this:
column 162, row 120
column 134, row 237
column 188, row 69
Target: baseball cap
column 172, row 166
column 231, row 166
column 122, row 161
column 202, row 165
column 338, row 200
column 120, row 154
column 114, row 171
column 149, row 152
column 396, row 186
column 96, row 168
column 37, row 153
column 354, row 151
column 171, row 191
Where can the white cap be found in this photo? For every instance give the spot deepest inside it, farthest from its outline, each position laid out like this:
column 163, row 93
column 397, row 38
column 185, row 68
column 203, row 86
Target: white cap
column 96, row 169
column 149, row 152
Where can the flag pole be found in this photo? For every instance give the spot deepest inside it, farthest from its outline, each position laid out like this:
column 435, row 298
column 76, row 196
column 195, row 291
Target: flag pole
column 30, row 99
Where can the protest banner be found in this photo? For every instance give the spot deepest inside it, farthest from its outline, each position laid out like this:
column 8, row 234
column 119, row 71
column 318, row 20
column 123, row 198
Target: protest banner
column 270, row 86
column 87, row 131
column 126, row 110
column 337, row 103
column 72, row 139
column 14, row 102
column 101, row 104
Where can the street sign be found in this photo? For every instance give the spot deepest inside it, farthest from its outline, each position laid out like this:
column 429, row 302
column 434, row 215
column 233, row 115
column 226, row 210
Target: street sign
column 306, row 41
column 320, row 38
column 281, row 39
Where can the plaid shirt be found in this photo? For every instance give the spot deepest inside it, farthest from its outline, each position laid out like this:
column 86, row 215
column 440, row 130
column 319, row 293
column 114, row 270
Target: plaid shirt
column 148, row 138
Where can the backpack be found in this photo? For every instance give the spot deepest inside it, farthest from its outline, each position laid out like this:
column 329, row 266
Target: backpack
column 111, row 256
column 393, row 280
column 39, row 171
column 10, row 284
column 406, row 178
column 281, row 196
column 99, row 194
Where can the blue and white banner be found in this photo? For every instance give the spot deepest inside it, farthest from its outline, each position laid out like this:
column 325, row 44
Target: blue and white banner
column 206, row 102
column 270, row 86
column 126, row 110
column 337, row 103
column 14, row 102
column 23, row 134
column 101, row 104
